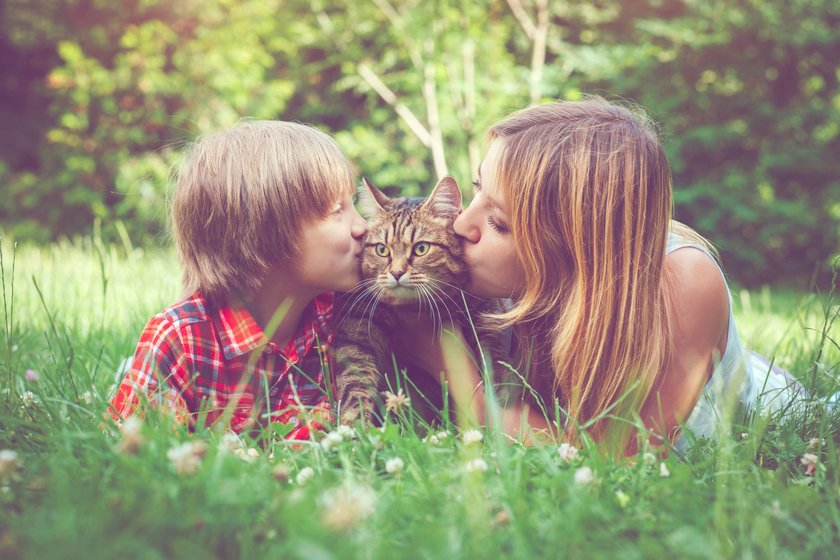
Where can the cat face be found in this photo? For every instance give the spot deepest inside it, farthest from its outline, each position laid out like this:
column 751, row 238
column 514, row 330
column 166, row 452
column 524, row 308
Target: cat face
column 411, row 250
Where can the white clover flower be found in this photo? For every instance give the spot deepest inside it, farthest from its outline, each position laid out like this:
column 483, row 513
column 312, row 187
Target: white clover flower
column 567, row 452
column 442, row 435
column 649, row 458
column 744, row 435
column 394, row 465
column 346, row 431
column 663, row 470
column 249, row 456
column 330, row 440
column 810, row 461
column 344, row 507
column 814, row 443
column 305, row 475
column 472, row 436
column 231, row 442
column 584, row 476
column 433, row 439
column 86, row 397
column 281, row 473
column 475, row 465
column 28, row 399
column 9, row 464
column 396, row 402
column 131, row 436
column 186, row 457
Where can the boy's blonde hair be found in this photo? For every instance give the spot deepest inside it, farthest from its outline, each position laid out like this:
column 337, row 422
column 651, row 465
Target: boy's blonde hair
column 242, row 196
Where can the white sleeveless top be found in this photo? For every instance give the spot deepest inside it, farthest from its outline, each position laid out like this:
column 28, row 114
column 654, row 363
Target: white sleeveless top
column 740, row 381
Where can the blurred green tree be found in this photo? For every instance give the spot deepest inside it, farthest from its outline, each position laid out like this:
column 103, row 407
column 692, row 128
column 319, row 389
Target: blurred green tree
column 102, row 96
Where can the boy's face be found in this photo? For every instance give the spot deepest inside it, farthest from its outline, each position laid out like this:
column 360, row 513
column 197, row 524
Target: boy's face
column 331, row 249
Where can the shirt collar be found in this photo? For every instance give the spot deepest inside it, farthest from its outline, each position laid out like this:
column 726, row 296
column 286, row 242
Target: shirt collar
column 240, row 334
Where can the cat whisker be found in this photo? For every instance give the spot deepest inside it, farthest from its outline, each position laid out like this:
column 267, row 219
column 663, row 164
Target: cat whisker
column 370, row 295
column 434, row 283
column 376, row 293
column 434, row 294
column 459, row 288
column 424, row 293
column 357, row 300
column 435, row 298
column 373, row 310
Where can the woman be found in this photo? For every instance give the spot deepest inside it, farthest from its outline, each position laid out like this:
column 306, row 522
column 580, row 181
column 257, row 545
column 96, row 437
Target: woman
column 618, row 312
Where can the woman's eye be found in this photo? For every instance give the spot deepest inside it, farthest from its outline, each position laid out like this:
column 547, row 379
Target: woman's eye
column 498, row 226
column 421, row 249
column 381, row 250
column 476, row 185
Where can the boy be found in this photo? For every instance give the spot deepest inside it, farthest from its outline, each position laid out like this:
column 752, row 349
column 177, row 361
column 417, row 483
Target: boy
column 265, row 228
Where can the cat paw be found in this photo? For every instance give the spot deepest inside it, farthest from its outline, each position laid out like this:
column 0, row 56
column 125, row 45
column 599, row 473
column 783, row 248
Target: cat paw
column 350, row 416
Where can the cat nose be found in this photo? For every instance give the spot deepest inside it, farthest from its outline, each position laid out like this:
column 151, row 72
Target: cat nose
column 397, row 274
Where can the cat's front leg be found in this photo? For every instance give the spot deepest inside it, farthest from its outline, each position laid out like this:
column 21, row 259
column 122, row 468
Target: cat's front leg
column 360, row 378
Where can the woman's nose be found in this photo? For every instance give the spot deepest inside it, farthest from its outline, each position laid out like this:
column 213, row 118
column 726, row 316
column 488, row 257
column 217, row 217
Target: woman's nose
column 466, row 227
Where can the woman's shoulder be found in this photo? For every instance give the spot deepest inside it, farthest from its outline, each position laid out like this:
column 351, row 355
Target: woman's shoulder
column 699, row 297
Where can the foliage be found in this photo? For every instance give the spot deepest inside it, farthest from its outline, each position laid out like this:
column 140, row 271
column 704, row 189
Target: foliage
column 72, row 312
column 103, row 95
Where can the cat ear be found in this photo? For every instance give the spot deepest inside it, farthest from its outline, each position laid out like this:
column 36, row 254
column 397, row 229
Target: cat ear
column 371, row 199
column 445, row 198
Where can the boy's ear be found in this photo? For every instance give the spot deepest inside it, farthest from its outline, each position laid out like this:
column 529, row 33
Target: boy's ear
column 445, row 198
column 371, row 199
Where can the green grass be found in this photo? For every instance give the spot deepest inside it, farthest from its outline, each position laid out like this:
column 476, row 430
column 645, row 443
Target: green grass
column 77, row 310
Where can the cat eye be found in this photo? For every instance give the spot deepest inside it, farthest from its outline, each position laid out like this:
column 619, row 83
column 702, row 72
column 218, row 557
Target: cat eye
column 381, row 250
column 421, row 249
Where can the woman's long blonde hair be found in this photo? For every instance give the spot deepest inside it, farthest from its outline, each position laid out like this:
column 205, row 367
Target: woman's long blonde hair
column 588, row 193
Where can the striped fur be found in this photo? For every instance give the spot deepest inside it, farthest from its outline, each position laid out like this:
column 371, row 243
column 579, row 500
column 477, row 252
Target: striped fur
column 412, row 266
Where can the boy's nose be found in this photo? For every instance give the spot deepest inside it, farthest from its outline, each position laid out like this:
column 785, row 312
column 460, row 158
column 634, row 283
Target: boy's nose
column 359, row 228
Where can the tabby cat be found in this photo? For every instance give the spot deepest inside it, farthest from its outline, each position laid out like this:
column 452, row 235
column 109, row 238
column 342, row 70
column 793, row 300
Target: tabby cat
column 412, row 264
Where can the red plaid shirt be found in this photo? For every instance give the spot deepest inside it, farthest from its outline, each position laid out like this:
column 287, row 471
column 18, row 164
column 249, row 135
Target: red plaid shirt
column 193, row 357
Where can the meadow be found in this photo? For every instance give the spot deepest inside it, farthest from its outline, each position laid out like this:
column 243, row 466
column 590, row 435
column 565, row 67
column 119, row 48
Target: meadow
column 73, row 486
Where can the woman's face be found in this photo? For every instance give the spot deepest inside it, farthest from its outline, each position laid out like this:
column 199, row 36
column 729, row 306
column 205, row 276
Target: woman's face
column 495, row 268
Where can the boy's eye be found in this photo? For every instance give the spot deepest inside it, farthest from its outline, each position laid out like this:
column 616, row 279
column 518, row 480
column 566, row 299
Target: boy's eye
column 421, row 249
column 381, row 250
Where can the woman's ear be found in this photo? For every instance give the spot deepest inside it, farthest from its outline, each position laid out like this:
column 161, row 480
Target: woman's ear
column 371, row 199
column 445, row 198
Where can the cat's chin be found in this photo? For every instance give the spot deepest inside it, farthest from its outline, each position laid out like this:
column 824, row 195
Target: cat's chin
column 399, row 295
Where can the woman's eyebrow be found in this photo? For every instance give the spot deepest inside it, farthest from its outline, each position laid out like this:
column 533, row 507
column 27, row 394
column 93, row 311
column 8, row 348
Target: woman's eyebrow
column 489, row 202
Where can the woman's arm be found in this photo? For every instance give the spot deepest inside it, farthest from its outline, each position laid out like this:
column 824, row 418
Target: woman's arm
column 449, row 353
column 445, row 350
column 700, row 319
